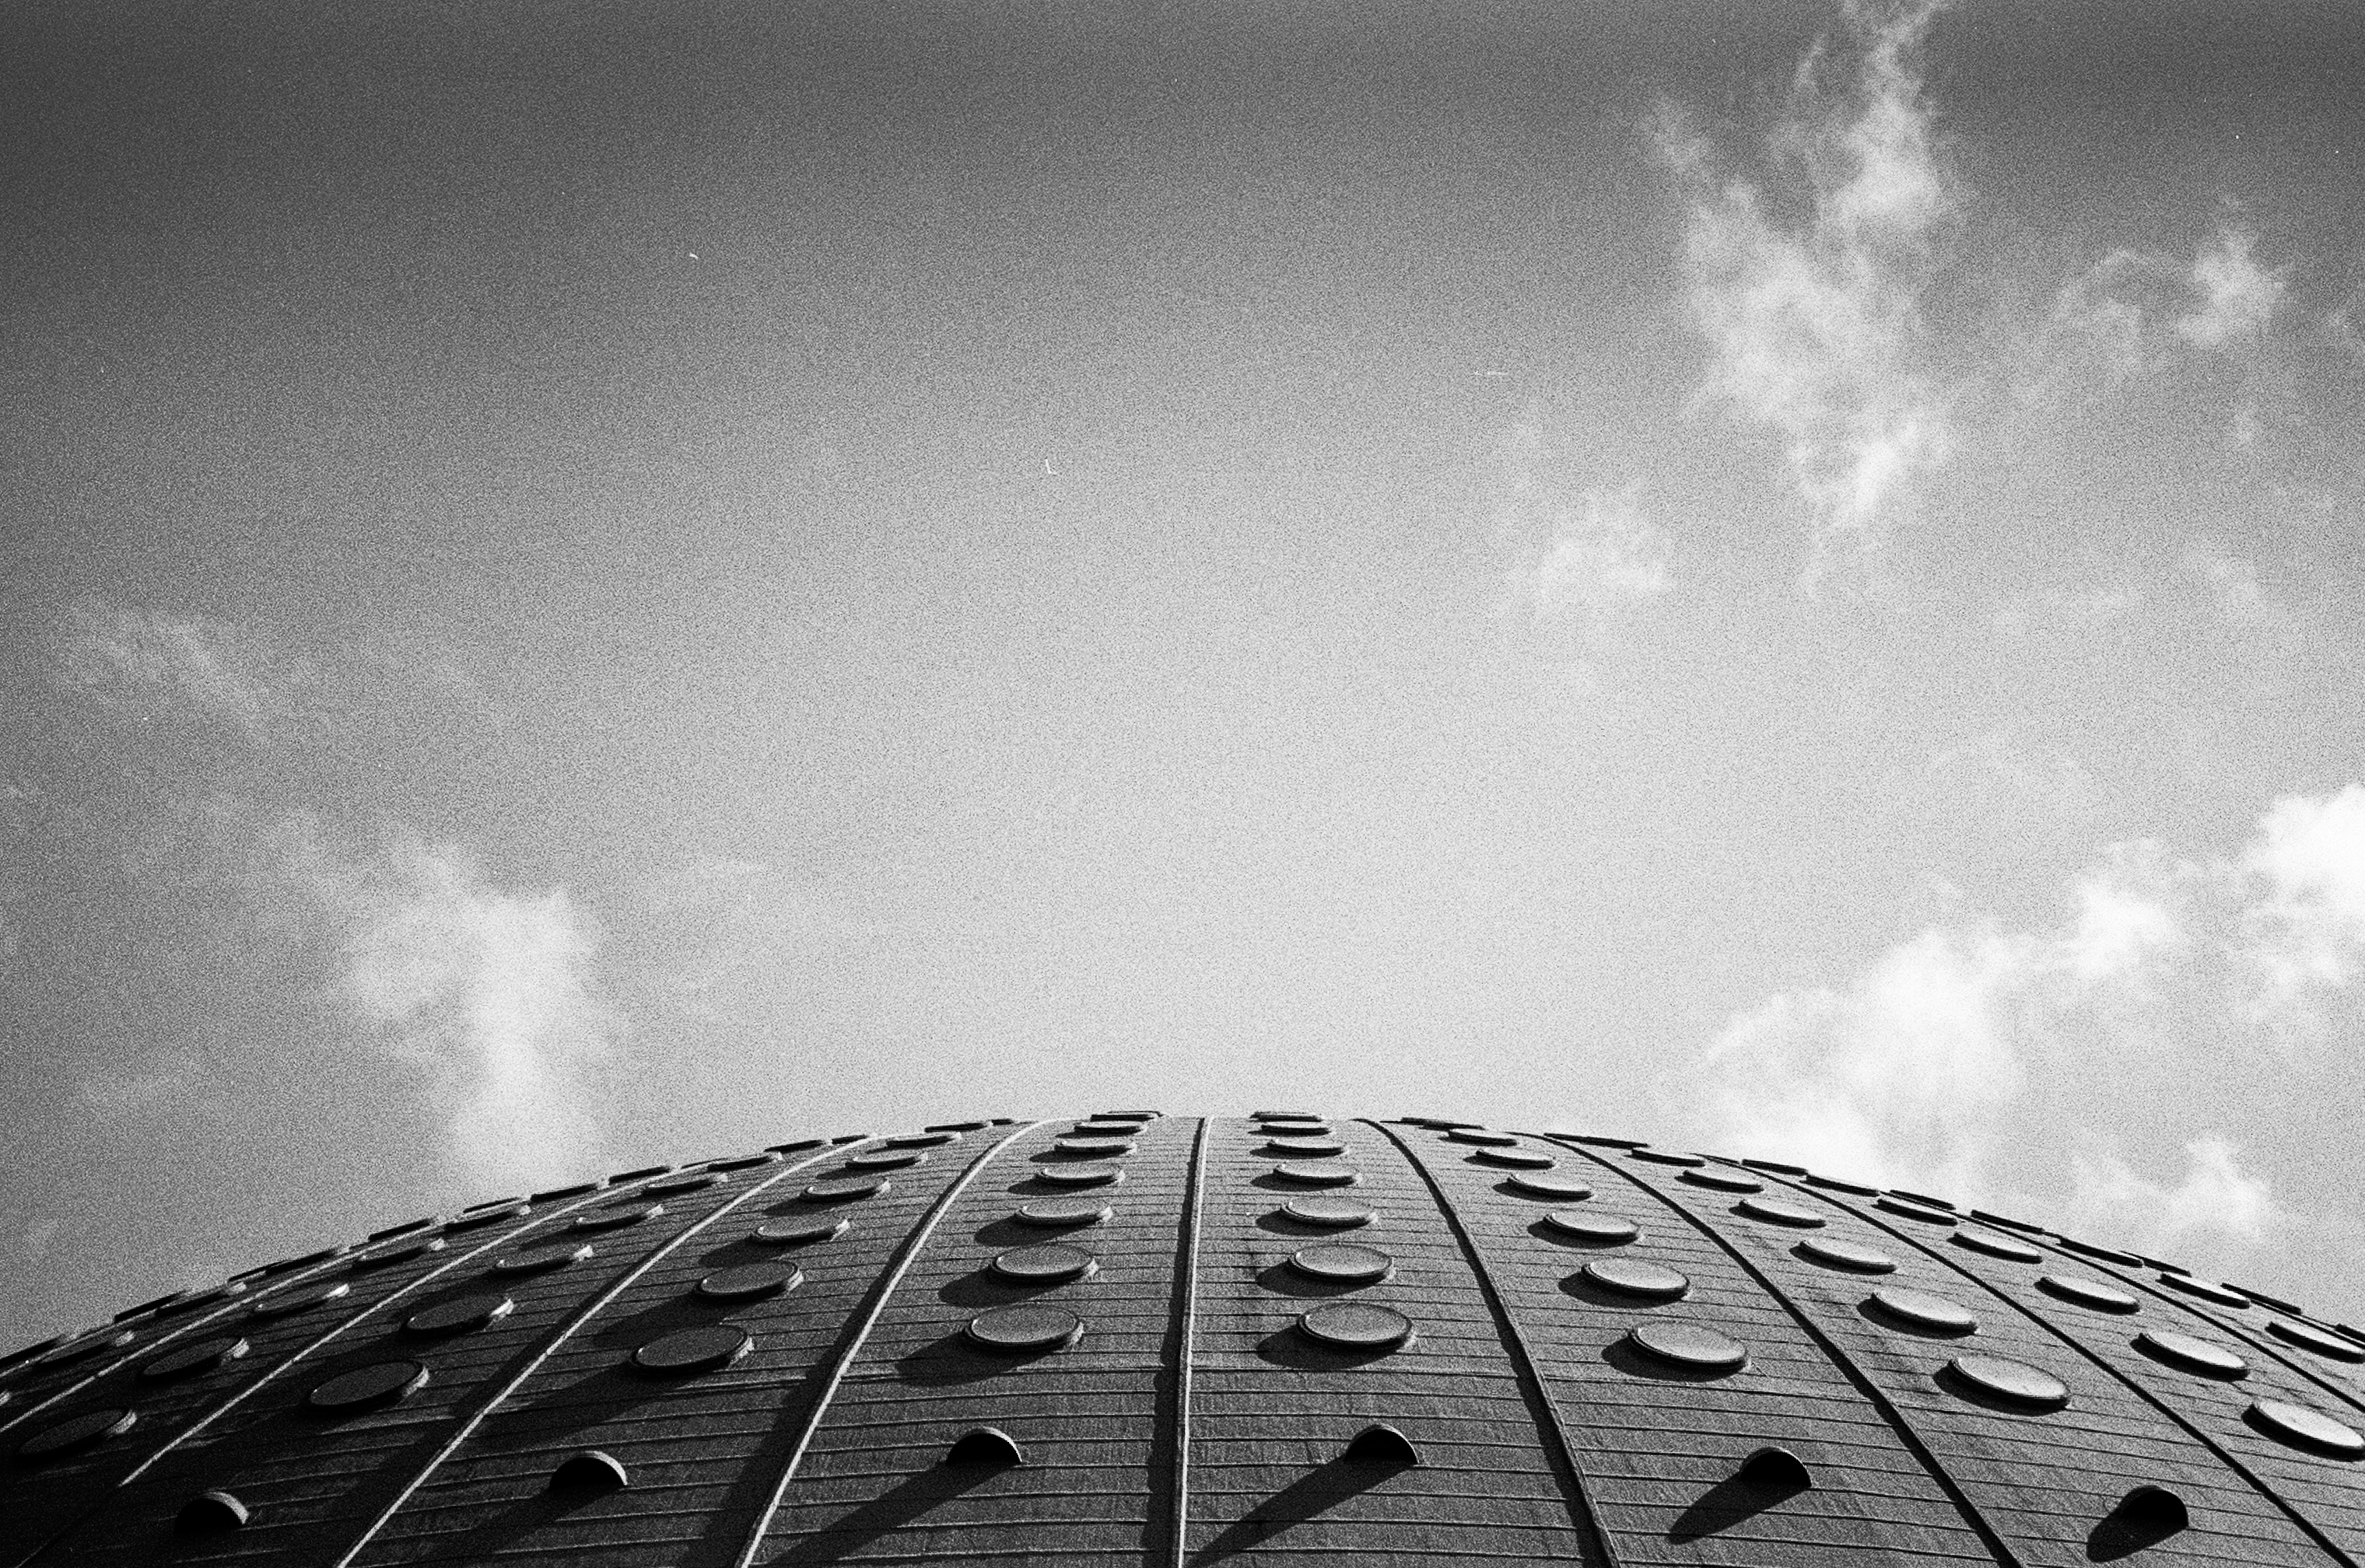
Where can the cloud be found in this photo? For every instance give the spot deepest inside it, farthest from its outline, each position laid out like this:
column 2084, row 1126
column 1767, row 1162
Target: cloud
column 1973, row 1057
column 1815, row 321
column 489, row 990
column 1604, row 556
column 2238, row 296
column 2134, row 312
column 147, row 664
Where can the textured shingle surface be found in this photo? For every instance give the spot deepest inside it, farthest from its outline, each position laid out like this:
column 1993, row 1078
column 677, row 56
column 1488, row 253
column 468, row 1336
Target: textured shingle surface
column 1194, row 1418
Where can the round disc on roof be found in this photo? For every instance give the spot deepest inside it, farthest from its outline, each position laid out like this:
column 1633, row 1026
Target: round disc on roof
column 1600, row 1230
column 1036, row 1326
column 1833, row 1253
column 797, row 1232
column 1554, row 1189
column 2306, row 1429
column 197, row 1356
column 286, row 1303
column 1332, row 1214
column 2014, row 1382
column 400, row 1252
column 1093, row 1175
column 493, row 1216
column 1514, row 1159
column 1919, row 1309
column 90, row 1344
column 542, row 1259
column 2206, row 1357
column 1063, row 1212
column 1356, row 1325
column 380, row 1382
column 1045, row 1265
column 695, row 1182
column 1307, row 1174
column 1279, row 1117
column 1342, row 1262
column 617, row 1218
column 921, row 1140
column 843, row 1189
column 1481, row 1137
column 2217, row 1295
column 750, row 1281
column 460, row 1314
column 1906, row 1209
column 1995, row 1246
column 76, row 1432
column 1666, row 1157
column 2087, row 1292
column 1294, row 1128
column 2323, row 1344
column 1688, row 1345
column 1303, row 1148
column 1632, row 1277
column 1094, row 1147
column 1721, row 1181
column 694, row 1349
column 1774, row 1211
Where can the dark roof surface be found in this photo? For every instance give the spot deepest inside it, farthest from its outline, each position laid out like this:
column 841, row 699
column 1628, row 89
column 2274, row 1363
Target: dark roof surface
column 1141, row 1339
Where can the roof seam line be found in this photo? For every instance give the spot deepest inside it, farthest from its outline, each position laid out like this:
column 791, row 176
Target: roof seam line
column 1187, row 1295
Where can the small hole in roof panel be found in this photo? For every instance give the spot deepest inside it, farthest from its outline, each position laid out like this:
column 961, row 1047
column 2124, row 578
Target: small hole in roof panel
column 460, row 1314
column 2329, row 1346
column 1513, row 1160
column 1044, row 1265
column 1771, row 1469
column 1340, row 1262
column 923, row 1141
column 386, row 1257
column 1379, row 1444
column 2011, row 1383
column 1034, row 1327
column 674, row 1186
column 2087, row 1292
column 363, row 1388
column 1665, row 1156
column 1997, row 1246
column 1594, row 1229
column 1773, row 1211
column 475, row 1217
column 211, row 1513
column 1482, row 1139
column 957, row 1126
column 76, row 1432
column 750, row 1281
column 2303, row 1428
column 1356, row 1325
column 798, row 1232
column 1330, row 1214
column 617, row 1217
column 1306, row 1173
column 541, row 1260
column 2102, row 1254
column 1086, row 1175
column 1926, row 1201
column 1092, row 1148
column 1905, row 1210
column 687, row 1351
column 1633, row 1278
column 1550, row 1187
column 1834, row 1185
column 984, row 1448
column 1303, row 1148
column 1720, row 1180
column 1061, row 1213
column 2193, row 1354
column 1921, row 1310
column 197, row 1356
column 2217, row 1296
column 1688, row 1345
column 2144, row 1516
column 886, row 1160
column 843, row 1189
column 591, row 1472
column 1833, row 1253
column 287, row 1303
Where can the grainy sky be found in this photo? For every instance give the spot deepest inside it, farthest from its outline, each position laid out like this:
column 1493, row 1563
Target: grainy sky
column 591, row 584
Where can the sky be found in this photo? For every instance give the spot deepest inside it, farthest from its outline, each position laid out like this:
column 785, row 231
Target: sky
column 594, row 584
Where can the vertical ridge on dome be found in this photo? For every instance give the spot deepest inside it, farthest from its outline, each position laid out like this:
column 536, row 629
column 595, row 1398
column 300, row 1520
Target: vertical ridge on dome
column 2270, row 1480
column 1176, row 1428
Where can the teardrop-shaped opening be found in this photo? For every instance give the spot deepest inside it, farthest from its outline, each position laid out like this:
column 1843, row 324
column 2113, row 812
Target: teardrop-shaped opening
column 2144, row 1517
column 985, row 1446
column 1380, row 1443
column 588, row 1475
column 211, row 1513
column 1775, row 1470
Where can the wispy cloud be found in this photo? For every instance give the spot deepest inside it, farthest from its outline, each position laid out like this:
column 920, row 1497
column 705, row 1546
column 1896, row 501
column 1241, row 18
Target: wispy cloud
column 487, row 990
column 1966, row 1038
column 1815, row 320
column 146, row 663
column 2238, row 296
column 2135, row 310
column 1605, row 556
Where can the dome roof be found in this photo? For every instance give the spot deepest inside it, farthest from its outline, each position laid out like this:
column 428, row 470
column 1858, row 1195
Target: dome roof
column 1131, row 1338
